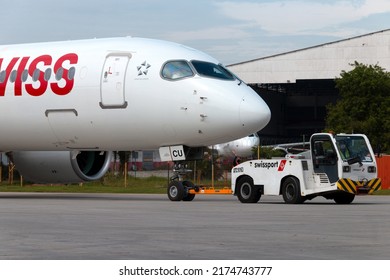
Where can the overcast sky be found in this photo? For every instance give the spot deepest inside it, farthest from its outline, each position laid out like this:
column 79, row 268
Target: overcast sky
column 231, row 31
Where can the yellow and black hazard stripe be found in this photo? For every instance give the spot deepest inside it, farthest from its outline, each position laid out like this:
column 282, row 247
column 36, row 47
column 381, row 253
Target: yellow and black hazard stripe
column 353, row 187
column 375, row 185
column 347, row 185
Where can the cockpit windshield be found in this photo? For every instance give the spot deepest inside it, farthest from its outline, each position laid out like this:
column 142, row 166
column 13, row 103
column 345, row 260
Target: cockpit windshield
column 353, row 146
column 212, row 70
column 180, row 69
column 177, row 69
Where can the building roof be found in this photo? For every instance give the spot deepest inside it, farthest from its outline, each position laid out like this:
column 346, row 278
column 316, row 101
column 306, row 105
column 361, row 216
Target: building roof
column 325, row 61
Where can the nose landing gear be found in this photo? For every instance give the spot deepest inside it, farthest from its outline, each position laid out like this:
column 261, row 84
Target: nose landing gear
column 177, row 188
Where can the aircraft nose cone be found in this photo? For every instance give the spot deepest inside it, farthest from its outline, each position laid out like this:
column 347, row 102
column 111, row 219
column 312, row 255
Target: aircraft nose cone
column 254, row 112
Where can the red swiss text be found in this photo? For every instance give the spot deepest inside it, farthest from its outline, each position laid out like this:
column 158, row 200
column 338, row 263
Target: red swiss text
column 26, row 73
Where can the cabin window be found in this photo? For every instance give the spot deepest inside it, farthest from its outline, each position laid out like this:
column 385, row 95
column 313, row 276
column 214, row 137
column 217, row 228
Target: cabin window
column 13, row 76
column 59, row 73
column 71, row 73
column 178, row 69
column 212, row 70
column 24, row 75
column 47, row 74
column 2, row 76
column 36, row 75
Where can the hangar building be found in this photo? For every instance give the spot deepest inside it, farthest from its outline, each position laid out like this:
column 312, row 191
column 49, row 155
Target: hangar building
column 298, row 85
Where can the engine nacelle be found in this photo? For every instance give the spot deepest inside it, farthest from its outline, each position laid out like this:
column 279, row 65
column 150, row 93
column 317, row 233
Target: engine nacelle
column 62, row 166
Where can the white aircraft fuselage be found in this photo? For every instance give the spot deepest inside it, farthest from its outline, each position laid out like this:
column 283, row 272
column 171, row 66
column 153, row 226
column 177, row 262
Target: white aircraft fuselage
column 120, row 94
column 116, row 98
column 238, row 148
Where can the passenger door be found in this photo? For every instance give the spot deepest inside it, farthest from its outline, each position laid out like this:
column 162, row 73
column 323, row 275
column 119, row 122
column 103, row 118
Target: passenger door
column 113, row 81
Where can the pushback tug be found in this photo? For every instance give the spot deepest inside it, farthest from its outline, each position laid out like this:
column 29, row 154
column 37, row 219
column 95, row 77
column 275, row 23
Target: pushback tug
column 336, row 167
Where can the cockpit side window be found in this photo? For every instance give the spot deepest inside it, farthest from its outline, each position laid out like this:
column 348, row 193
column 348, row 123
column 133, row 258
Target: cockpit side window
column 212, row 70
column 176, row 69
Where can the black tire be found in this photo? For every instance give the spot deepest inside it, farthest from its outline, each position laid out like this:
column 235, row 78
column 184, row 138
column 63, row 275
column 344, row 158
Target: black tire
column 187, row 186
column 246, row 191
column 175, row 191
column 344, row 198
column 291, row 191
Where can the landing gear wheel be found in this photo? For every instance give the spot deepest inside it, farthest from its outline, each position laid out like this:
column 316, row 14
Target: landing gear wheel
column 187, row 186
column 246, row 191
column 291, row 191
column 175, row 191
column 344, row 198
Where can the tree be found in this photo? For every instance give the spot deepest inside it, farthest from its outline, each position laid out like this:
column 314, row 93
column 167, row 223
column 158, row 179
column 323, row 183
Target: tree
column 268, row 152
column 364, row 105
column 204, row 166
column 123, row 158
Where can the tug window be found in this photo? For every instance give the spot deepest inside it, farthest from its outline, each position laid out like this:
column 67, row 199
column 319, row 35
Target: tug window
column 212, row 70
column 174, row 70
column 353, row 146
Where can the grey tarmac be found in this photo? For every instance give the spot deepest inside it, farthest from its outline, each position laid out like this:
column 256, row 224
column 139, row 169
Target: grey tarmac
column 48, row 226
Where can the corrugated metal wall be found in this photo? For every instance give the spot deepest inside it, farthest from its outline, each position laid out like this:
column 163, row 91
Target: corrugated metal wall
column 324, row 61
